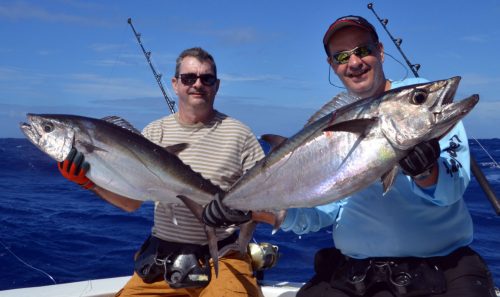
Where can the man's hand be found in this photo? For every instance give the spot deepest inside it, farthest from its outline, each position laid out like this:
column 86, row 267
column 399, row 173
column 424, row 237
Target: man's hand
column 74, row 168
column 215, row 214
column 421, row 158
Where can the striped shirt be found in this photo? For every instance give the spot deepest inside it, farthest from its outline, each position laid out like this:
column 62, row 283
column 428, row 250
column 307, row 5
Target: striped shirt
column 221, row 151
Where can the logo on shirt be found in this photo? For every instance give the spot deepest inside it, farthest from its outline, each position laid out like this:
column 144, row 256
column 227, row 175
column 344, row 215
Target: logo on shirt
column 452, row 152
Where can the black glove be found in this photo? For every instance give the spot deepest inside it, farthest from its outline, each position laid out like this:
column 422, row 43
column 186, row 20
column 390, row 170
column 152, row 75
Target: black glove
column 421, row 158
column 215, row 214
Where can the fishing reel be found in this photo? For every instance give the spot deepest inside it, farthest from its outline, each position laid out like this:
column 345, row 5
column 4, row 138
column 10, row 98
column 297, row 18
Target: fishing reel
column 264, row 255
column 187, row 271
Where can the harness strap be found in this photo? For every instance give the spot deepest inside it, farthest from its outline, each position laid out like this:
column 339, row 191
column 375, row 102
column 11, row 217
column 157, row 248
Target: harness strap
column 173, row 261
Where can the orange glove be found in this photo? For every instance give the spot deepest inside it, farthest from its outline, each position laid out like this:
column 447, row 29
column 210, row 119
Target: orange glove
column 74, row 168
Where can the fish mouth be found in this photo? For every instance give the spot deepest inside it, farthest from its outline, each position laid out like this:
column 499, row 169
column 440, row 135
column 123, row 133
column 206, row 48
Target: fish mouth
column 450, row 90
column 447, row 96
column 29, row 130
column 453, row 112
column 43, row 131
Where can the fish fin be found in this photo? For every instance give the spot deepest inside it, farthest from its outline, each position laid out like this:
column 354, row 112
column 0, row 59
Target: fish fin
column 388, row 178
column 121, row 122
column 280, row 217
column 89, row 147
column 274, row 219
column 176, row 148
column 246, row 234
column 337, row 102
column 358, row 126
column 274, row 140
column 212, row 247
column 194, row 207
column 197, row 210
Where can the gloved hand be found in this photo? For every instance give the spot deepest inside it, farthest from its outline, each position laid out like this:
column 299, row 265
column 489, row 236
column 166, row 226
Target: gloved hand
column 74, row 168
column 215, row 214
column 421, row 158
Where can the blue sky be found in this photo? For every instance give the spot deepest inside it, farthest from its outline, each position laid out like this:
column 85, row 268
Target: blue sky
column 81, row 57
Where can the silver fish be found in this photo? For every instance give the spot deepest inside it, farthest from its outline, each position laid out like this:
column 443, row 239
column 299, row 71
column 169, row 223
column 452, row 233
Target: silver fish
column 350, row 148
column 121, row 159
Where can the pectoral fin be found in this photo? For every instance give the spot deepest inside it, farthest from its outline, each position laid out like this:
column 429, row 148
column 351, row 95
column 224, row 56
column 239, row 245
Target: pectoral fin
column 389, row 177
column 357, row 126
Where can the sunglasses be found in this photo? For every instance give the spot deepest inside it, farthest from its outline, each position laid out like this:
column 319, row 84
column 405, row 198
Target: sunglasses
column 360, row 51
column 190, row 79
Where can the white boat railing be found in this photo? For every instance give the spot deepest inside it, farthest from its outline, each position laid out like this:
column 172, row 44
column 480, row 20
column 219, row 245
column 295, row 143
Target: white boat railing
column 109, row 286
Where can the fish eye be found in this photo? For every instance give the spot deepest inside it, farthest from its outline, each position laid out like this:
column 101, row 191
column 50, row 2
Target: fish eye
column 419, row 97
column 48, row 127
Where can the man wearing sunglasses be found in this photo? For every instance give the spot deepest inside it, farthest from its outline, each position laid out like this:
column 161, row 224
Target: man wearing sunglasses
column 414, row 240
column 173, row 261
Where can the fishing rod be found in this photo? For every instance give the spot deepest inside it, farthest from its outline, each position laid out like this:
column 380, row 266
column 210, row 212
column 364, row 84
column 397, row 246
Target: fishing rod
column 476, row 170
column 170, row 102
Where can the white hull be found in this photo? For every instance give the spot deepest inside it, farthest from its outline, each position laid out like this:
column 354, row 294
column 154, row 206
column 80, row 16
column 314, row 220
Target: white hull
column 109, row 286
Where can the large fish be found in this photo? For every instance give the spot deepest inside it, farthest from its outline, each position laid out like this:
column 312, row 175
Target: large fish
column 350, row 148
column 121, row 159
column 124, row 162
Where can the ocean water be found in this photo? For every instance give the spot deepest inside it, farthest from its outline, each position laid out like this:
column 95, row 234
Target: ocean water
column 53, row 231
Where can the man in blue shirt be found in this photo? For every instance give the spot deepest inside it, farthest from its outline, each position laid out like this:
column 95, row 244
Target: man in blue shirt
column 414, row 240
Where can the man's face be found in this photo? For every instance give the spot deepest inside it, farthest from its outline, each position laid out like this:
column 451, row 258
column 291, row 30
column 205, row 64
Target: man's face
column 362, row 76
column 196, row 95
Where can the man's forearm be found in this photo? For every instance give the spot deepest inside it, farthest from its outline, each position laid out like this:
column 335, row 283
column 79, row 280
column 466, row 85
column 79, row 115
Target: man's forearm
column 119, row 201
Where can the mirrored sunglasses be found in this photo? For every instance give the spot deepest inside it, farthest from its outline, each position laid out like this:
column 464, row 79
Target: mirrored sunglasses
column 360, row 51
column 206, row 79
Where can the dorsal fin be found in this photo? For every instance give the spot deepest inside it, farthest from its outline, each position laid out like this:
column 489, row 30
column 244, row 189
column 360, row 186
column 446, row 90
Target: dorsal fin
column 121, row 122
column 337, row 102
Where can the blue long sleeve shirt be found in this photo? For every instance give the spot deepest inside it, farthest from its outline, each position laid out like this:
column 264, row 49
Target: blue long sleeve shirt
column 407, row 220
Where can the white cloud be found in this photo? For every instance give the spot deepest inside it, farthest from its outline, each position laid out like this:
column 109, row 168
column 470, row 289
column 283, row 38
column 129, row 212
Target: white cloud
column 105, row 47
column 262, row 77
column 19, row 11
column 230, row 36
column 483, row 118
column 22, row 81
column 237, row 35
column 110, row 62
column 474, row 79
column 10, row 73
column 44, row 52
column 95, row 86
column 475, row 38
